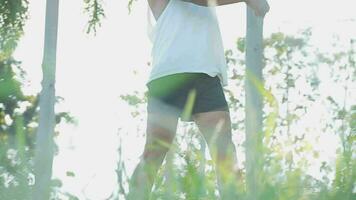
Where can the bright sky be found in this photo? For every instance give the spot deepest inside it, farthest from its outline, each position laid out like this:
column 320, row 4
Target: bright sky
column 93, row 71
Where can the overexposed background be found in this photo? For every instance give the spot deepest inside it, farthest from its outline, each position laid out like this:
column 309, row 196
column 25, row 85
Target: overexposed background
column 93, row 71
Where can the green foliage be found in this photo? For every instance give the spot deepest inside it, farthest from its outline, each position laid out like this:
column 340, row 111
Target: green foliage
column 132, row 100
column 290, row 90
column 343, row 114
column 136, row 101
column 130, row 4
column 14, row 103
column 185, row 173
column 96, row 13
column 13, row 15
column 18, row 126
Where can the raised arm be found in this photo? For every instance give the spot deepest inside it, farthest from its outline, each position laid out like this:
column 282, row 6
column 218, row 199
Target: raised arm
column 213, row 2
column 260, row 7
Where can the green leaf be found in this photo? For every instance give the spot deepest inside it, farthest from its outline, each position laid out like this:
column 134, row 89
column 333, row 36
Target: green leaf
column 70, row 174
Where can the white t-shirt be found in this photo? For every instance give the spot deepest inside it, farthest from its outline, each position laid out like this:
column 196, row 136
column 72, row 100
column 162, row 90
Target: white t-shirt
column 186, row 38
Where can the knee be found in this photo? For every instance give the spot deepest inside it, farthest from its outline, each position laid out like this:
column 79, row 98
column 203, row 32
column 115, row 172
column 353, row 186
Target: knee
column 222, row 145
column 157, row 148
column 222, row 139
column 214, row 124
column 154, row 153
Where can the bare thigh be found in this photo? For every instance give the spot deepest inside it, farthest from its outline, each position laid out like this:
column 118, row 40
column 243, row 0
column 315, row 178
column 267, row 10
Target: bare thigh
column 214, row 124
column 160, row 132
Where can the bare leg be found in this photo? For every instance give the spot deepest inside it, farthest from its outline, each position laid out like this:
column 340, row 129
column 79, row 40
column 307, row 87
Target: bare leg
column 216, row 129
column 160, row 133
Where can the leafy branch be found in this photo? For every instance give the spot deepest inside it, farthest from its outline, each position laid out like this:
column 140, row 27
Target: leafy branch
column 96, row 13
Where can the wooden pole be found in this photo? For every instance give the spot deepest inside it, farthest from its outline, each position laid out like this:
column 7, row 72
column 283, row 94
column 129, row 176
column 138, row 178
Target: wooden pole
column 254, row 103
column 44, row 140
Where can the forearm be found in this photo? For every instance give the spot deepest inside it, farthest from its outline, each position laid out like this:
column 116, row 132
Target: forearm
column 213, row 2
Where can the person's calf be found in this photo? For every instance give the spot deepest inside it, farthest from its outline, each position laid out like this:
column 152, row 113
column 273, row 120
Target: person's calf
column 226, row 162
column 140, row 182
column 224, row 156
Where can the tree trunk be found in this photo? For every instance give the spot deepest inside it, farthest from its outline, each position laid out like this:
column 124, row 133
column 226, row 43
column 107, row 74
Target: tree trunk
column 253, row 110
column 44, row 141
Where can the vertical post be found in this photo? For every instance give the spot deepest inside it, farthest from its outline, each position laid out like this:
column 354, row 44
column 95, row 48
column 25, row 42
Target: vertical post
column 254, row 103
column 44, row 140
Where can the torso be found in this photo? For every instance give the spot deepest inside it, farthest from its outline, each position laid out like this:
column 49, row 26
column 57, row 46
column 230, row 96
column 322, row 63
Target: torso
column 185, row 38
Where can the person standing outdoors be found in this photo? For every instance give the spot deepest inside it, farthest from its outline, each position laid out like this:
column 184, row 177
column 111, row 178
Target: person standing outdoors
column 186, row 81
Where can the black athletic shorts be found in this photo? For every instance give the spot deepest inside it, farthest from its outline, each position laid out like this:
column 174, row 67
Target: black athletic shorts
column 184, row 94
